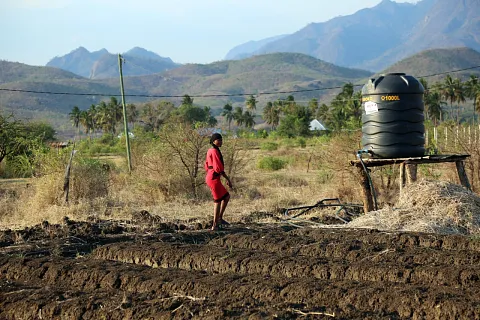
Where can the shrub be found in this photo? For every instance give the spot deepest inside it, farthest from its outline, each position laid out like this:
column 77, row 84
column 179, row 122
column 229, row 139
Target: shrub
column 269, row 146
column 271, row 163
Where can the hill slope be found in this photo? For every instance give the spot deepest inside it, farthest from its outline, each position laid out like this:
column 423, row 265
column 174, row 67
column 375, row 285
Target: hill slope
column 437, row 61
column 260, row 75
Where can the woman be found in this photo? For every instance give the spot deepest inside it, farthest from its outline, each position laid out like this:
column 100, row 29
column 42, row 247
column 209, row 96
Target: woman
column 215, row 169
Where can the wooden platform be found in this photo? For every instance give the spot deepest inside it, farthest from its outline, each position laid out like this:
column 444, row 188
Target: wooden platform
column 408, row 171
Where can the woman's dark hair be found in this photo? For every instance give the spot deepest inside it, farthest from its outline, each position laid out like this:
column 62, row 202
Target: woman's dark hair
column 215, row 136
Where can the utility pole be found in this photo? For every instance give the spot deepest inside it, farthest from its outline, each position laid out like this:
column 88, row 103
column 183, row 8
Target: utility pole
column 125, row 122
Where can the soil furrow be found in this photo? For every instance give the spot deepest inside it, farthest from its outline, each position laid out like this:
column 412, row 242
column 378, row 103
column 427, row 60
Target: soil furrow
column 222, row 260
column 71, row 289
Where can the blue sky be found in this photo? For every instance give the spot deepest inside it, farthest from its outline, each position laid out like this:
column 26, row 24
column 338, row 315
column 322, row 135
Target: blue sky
column 188, row 31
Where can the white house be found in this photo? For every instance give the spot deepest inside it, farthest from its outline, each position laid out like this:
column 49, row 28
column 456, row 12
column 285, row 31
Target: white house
column 316, row 125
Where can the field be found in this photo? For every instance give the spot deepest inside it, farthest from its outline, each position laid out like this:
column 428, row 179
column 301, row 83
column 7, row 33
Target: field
column 131, row 255
column 155, row 270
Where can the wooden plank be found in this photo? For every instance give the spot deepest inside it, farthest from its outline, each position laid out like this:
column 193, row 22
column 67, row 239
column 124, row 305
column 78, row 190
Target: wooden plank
column 411, row 172
column 402, row 176
column 419, row 160
column 366, row 192
column 463, row 175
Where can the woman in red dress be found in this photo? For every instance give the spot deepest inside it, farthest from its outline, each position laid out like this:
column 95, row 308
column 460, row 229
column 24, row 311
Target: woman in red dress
column 214, row 167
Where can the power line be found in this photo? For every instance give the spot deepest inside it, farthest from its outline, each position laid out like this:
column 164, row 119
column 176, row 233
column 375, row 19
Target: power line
column 215, row 95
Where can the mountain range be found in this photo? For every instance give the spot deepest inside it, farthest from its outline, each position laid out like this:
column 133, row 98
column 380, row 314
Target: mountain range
column 102, row 64
column 370, row 39
column 375, row 38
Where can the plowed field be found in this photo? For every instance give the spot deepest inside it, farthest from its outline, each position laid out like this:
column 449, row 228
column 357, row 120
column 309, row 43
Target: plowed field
column 107, row 270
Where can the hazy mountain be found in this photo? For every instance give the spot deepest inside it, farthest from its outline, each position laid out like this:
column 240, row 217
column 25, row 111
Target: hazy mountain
column 245, row 50
column 374, row 38
column 448, row 23
column 79, row 61
column 102, row 64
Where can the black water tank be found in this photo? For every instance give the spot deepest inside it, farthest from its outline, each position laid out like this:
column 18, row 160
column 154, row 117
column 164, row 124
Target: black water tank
column 392, row 116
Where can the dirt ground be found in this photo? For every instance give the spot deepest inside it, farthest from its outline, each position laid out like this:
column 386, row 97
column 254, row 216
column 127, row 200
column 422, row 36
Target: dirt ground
column 147, row 268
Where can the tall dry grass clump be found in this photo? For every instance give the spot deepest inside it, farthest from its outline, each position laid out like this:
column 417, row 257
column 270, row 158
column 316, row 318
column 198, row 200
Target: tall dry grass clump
column 44, row 197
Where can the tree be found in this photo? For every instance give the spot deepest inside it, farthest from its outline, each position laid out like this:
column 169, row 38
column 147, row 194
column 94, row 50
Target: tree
column 10, row 131
column 447, row 92
column 86, row 121
column 249, row 119
column 187, row 100
column 472, row 91
column 238, row 116
column 345, row 110
column 459, row 95
column 132, row 113
column 75, row 117
column 296, row 123
column 155, row 116
column 228, row 113
column 271, row 114
column 193, row 114
column 313, row 105
column 188, row 147
column 251, row 103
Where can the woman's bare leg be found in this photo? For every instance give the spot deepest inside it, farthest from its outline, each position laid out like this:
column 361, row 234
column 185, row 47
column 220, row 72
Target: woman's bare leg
column 216, row 215
column 223, row 207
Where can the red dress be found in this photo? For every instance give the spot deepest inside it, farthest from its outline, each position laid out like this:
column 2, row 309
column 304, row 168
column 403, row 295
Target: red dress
column 214, row 168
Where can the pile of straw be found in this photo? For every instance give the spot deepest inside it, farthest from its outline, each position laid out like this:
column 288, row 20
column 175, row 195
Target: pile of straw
column 428, row 206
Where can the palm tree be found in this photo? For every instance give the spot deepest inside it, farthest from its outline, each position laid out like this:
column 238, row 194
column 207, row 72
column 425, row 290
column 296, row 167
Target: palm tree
column 132, row 114
column 86, row 122
column 271, row 114
column 187, row 100
column 116, row 110
column 75, row 117
column 448, row 92
column 92, row 112
column 313, row 105
column 459, row 91
column 251, row 103
column 238, row 116
column 433, row 106
column 249, row 119
column 472, row 91
column 228, row 113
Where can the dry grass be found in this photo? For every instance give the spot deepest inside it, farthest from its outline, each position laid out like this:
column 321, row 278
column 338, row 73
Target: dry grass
column 317, row 172
column 428, row 206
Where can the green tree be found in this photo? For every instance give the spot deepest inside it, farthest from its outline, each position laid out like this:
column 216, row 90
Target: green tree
column 251, row 103
column 10, row 136
column 238, row 116
column 296, row 123
column 132, row 113
column 271, row 114
column 345, row 109
column 472, row 91
column 228, row 113
column 447, row 92
column 75, row 117
column 249, row 119
column 187, row 100
column 313, row 105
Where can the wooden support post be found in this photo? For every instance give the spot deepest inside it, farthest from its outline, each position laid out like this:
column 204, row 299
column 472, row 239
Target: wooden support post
column 462, row 174
column 411, row 173
column 366, row 192
column 402, row 176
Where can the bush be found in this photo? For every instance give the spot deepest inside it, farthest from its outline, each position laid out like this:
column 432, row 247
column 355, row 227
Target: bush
column 269, row 146
column 271, row 163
